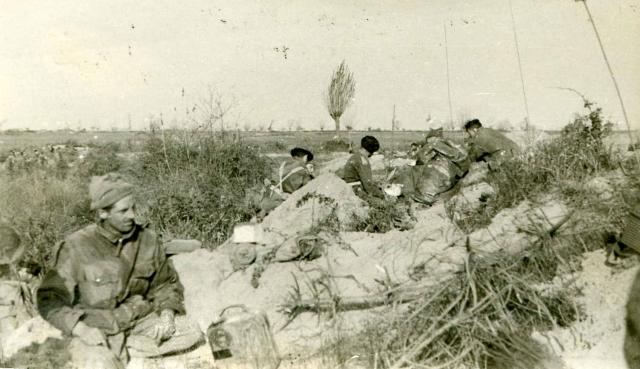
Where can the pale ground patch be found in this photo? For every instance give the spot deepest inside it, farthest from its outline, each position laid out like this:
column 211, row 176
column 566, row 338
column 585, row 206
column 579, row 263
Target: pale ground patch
column 596, row 341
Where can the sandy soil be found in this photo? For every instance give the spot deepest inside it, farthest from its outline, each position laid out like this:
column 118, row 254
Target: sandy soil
column 595, row 342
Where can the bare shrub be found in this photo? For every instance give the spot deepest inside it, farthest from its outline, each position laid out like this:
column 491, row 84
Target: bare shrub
column 481, row 318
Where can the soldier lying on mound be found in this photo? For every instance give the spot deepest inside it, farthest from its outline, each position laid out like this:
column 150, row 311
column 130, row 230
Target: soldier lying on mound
column 439, row 164
column 112, row 288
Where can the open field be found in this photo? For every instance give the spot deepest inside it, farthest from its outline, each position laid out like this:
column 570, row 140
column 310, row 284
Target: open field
column 132, row 140
column 194, row 186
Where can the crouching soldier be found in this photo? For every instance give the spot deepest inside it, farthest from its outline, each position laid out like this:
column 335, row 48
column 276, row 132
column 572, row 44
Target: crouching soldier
column 488, row 145
column 357, row 170
column 112, row 288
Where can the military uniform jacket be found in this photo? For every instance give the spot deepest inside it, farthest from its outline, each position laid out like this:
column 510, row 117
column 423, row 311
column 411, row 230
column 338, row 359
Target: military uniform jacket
column 455, row 157
column 108, row 280
column 490, row 141
column 293, row 176
column 358, row 169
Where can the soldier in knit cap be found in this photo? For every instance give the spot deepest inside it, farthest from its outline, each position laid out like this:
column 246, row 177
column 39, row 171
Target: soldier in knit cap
column 112, row 288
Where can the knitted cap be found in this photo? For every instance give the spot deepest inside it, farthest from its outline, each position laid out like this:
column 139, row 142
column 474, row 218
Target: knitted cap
column 108, row 189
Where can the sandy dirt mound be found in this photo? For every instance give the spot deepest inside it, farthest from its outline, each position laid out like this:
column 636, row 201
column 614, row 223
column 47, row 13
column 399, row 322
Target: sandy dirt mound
column 477, row 173
column 596, row 341
column 356, row 264
column 512, row 230
column 333, row 165
column 470, row 199
column 34, row 330
column 291, row 218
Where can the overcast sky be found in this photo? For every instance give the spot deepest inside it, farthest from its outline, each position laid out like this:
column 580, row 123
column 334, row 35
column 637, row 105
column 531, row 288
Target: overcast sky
column 95, row 64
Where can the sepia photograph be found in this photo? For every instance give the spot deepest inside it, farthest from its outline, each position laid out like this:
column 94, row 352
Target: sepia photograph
column 338, row 184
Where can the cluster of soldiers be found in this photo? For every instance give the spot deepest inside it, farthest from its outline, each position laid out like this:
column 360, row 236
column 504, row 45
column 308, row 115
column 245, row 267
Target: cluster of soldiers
column 46, row 157
column 438, row 163
column 114, row 293
column 110, row 287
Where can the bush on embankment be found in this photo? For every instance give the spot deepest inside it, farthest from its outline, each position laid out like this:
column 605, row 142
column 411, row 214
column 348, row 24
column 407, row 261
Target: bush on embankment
column 484, row 317
column 190, row 185
column 195, row 186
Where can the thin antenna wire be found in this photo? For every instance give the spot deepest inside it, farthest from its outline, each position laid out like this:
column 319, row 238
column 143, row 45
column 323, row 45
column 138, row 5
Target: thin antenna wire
column 515, row 39
column 446, row 53
column 613, row 78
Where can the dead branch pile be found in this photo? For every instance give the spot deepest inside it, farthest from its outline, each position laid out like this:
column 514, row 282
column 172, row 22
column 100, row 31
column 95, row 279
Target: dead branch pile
column 481, row 318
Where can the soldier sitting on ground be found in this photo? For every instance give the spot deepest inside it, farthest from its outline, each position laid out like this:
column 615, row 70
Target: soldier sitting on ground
column 357, row 170
column 488, row 145
column 112, row 288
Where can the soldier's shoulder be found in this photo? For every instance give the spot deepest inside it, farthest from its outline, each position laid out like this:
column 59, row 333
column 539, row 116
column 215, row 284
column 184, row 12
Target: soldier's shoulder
column 74, row 243
column 148, row 235
column 147, row 230
column 81, row 234
column 358, row 159
column 354, row 158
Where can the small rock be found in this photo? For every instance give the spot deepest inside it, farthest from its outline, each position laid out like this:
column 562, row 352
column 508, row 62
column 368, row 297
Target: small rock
column 294, row 216
column 470, row 199
column 34, row 330
column 400, row 162
column 476, row 174
column 601, row 187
